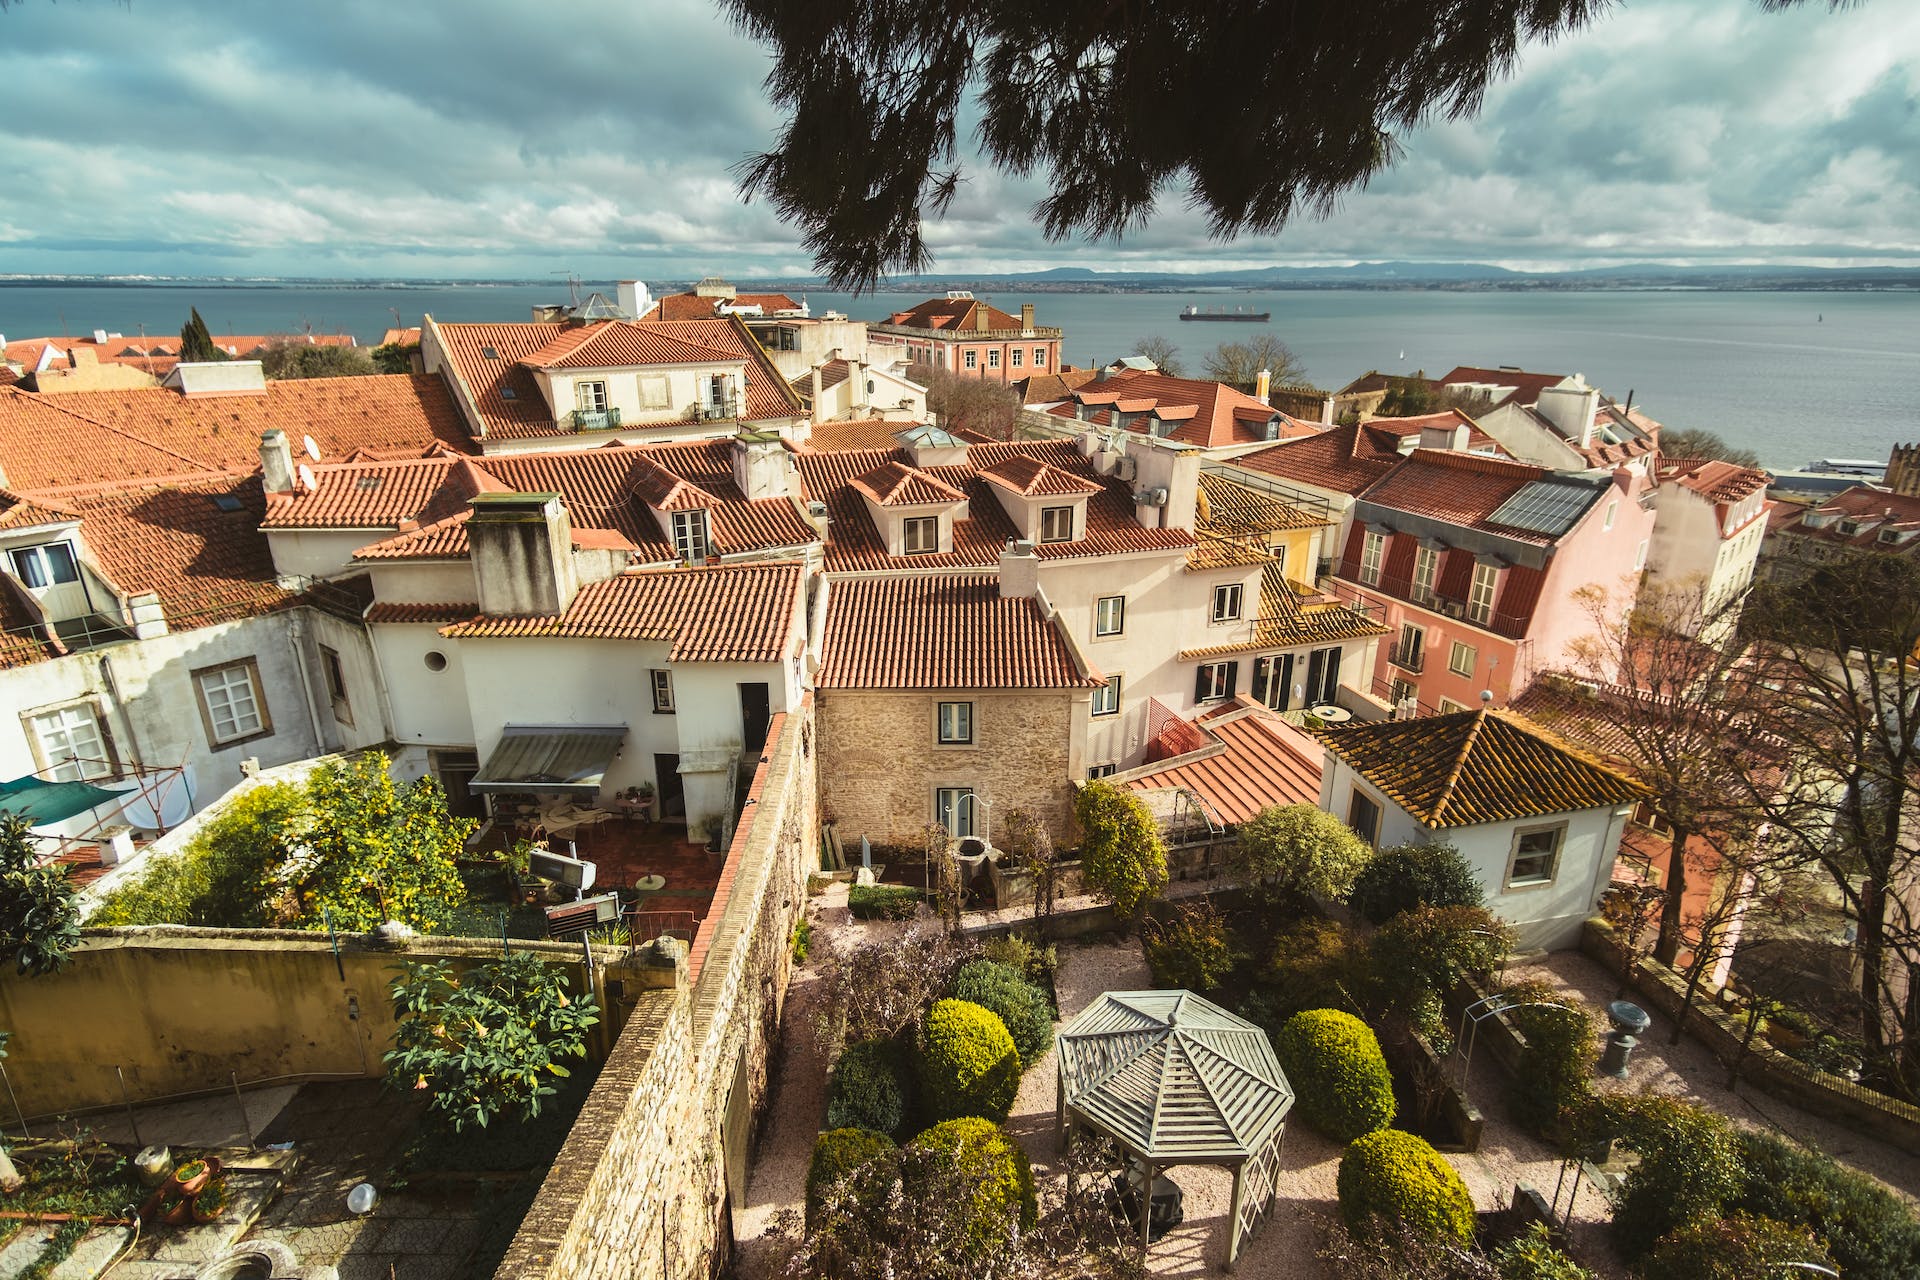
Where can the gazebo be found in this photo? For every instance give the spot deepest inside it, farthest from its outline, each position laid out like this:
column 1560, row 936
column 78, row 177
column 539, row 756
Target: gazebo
column 1175, row 1079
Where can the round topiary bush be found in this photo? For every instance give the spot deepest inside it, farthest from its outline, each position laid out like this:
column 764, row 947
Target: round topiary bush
column 858, row 1157
column 869, row 1089
column 988, row 1162
column 1019, row 1003
column 968, row 1063
column 1414, row 875
column 1400, row 1177
column 1340, row 1079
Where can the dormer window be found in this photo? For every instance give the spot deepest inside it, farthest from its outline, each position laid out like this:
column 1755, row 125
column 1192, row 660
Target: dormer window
column 921, row 535
column 590, row 397
column 690, row 540
column 46, row 566
column 1056, row 524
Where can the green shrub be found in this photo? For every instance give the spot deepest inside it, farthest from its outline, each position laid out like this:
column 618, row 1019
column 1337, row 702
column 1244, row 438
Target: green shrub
column 869, row 1089
column 1400, row 1177
column 992, row 1163
column 1022, row 1006
column 1733, row 1248
column 1554, row 1081
column 1689, row 1165
column 968, row 1063
column 1870, row 1232
column 1533, row 1256
column 1193, row 950
column 883, row 901
column 1340, row 1079
column 1315, row 965
column 802, row 939
column 1299, row 850
column 1017, row 951
column 859, row 1159
column 1122, row 859
column 1414, row 875
column 217, row 879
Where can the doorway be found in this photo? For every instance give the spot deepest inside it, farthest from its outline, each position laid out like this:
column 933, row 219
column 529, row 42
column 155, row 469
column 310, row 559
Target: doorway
column 756, row 712
column 456, row 769
column 673, row 792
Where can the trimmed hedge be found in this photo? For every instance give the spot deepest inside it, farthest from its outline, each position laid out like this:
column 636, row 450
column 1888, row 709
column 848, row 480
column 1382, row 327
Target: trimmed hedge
column 869, row 1089
column 1733, row 1248
column 1339, row 1076
column 859, row 1155
column 992, row 1163
column 1870, row 1232
column 1414, row 875
column 968, row 1063
column 1400, row 1177
column 1021, row 1004
column 883, row 901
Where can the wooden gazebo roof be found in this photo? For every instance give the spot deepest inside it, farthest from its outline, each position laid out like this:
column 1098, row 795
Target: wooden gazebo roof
column 1173, row 1078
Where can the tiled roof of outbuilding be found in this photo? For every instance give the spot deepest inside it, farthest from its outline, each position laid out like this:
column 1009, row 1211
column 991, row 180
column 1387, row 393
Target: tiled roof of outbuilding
column 403, row 613
column 1713, row 479
column 1472, row 767
column 1249, row 759
column 945, row 631
column 1209, row 413
column 895, row 484
column 1465, row 489
column 1229, row 507
column 693, row 306
column 615, row 344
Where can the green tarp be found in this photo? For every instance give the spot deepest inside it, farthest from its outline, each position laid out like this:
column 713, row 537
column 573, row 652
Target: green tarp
column 43, row 803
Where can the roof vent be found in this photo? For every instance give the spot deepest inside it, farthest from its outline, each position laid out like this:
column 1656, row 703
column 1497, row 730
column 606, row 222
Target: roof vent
column 489, row 353
column 817, row 510
column 1150, row 498
column 368, row 482
column 508, row 393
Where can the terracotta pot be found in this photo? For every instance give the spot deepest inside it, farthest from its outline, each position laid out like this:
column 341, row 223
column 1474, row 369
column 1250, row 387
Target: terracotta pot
column 188, row 1188
column 201, row 1213
column 178, row 1213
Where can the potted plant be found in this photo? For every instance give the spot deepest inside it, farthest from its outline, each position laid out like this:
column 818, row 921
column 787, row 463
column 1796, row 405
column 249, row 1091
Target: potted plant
column 188, row 1178
column 212, row 1200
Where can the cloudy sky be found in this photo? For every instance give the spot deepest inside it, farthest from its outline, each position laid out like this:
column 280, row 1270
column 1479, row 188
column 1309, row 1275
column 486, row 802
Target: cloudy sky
column 492, row 139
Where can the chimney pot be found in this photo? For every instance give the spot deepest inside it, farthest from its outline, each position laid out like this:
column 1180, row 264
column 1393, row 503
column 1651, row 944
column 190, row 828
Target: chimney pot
column 1263, row 387
column 276, row 461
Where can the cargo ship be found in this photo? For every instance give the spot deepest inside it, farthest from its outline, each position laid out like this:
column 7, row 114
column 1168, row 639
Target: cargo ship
column 1252, row 317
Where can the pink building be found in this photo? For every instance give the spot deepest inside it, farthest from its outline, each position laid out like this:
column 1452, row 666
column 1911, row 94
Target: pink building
column 963, row 335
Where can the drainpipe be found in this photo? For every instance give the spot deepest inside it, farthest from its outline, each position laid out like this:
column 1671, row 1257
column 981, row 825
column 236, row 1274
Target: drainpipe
column 379, row 677
column 296, row 638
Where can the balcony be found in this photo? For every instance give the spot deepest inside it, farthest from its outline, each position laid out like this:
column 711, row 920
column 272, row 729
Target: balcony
column 1409, row 657
column 593, row 419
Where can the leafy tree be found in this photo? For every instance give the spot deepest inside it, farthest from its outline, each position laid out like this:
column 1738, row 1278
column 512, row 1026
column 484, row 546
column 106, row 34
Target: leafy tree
column 1412, row 397
column 39, row 907
column 297, row 359
column 1301, row 851
column 1871, row 1232
column 1554, row 1081
column 1405, row 876
column 393, row 357
column 1238, row 364
column 367, row 851
column 1689, row 1165
column 869, row 1089
column 1679, row 444
column 968, row 402
column 1122, row 858
column 1193, row 950
column 215, row 882
column 996, row 1166
column 197, row 345
column 1163, row 354
column 855, row 1162
column 487, row 1041
column 1419, row 954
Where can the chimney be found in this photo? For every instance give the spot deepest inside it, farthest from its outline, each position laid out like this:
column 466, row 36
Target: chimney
column 1168, row 476
column 1026, row 319
column 856, row 383
column 1571, row 408
column 1263, row 387
column 100, row 337
column 1326, row 411
column 819, row 410
column 763, row 468
column 276, row 462
column 980, row 320
column 633, row 297
column 1019, row 571
column 1451, row 438
column 522, row 551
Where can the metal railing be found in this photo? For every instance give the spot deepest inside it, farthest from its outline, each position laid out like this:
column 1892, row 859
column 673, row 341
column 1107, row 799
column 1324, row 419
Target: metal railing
column 1349, row 585
column 1408, row 657
column 645, row 926
column 594, row 419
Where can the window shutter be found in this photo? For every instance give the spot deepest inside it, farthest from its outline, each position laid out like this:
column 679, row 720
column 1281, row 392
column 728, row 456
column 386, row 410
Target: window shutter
column 1332, row 680
column 1285, row 676
column 1261, row 673
column 1233, row 676
column 1200, row 684
column 1316, row 663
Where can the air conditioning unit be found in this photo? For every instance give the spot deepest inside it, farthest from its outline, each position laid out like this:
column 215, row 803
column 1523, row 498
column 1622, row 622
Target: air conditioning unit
column 1454, row 608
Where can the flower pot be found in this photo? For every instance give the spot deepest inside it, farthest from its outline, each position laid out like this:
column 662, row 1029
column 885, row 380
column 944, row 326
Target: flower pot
column 177, row 1213
column 199, row 1171
column 211, row 1202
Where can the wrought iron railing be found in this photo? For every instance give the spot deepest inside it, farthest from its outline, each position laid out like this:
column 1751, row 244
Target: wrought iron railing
column 594, row 419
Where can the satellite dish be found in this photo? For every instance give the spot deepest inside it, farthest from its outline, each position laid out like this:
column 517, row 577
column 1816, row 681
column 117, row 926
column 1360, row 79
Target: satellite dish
column 307, row 481
column 313, row 448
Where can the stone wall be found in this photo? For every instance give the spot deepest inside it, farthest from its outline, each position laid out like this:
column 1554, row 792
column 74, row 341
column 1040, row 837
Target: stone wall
column 176, row 1010
column 644, row 1183
column 886, row 762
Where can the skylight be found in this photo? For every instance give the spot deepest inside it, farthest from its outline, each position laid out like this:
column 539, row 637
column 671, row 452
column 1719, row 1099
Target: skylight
column 227, row 502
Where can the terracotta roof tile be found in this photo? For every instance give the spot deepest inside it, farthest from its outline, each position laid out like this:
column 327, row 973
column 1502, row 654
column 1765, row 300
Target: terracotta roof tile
column 692, row 306
column 870, row 433
column 1048, row 388
column 1341, row 459
column 17, row 512
column 23, row 639
column 1465, row 489
column 895, row 484
column 1480, row 766
column 1287, row 621
column 957, row 315
column 617, row 344
column 1030, row 477
column 1870, row 511
column 1251, row 759
column 1715, row 480
column 944, row 631
column 1210, row 413
column 1211, row 551
column 1230, row 508
column 1527, row 386
column 399, row 613
column 721, row 613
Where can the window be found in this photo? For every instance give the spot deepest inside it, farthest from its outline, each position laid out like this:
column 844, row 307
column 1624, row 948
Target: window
column 1411, row 652
column 655, row 392
column 590, row 397
column 1106, row 699
column 955, row 809
column 956, row 723
column 72, row 746
column 1099, row 771
column 1215, row 681
column 1400, row 693
column 232, row 703
column 1373, row 549
column 1640, row 556
column 1426, row 564
column 662, row 682
column 1480, row 595
column 1039, row 357
column 1536, row 853
column 46, row 566
column 1323, row 675
column 1019, row 354
column 1109, row 615
column 1226, row 602
column 972, row 359
column 336, row 678
column 690, row 536
column 1056, row 524
column 1449, row 707
column 1613, row 509
column 922, row 535
column 1363, row 815
column 1280, row 559
column 1462, row 659
column 993, row 359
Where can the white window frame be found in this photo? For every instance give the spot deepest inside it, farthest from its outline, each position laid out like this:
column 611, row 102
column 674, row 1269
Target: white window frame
column 1216, row 674
column 1640, row 557
column 1109, row 616
column 993, row 358
column 1558, row 830
column 1373, row 554
column 21, row 557
column 1480, row 594
column 590, row 395
column 1426, row 569
column 1106, row 699
column 1039, row 357
column 692, row 536
column 953, row 724
column 1449, row 707
column 1613, row 510
column 660, row 681
column 214, row 687
column 1453, row 659
column 1050, row 518
column 1019, row 355
column 923, row 525
column 1412, row 645
column 69, row 757
column 963, row 815
column 1227, row 600
column 334, row 673
column 1099, row 771
column 970, row 359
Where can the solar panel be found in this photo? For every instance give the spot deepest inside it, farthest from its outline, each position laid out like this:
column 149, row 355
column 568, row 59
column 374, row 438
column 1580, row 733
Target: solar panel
column 1549, row 507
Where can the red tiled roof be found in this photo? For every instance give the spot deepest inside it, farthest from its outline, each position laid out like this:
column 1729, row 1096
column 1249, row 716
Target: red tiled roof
column 1408, row 429
column 23, row 639
column 1046, row 388
column 617, row 344
column 409, row 337
column 1458, row 488
column 379, row 495
column 1527, row 386
column 1875, row 510
column 1028, row 476
column 721, row 613
column 1252, row 759
column 1230, row 508
column 869, row 433
column 662, row 490
column 946, row 631
column 1472, row 767
column 1286, row 621
column 957, row 315
column 45, row 445
column 398, row 613
column 895, row 484
column 832, row 373
column 1342, row 459
column 1713, row 479
column 159, row 355
column 691, row 306
column 17, row 512
column 1210, row 413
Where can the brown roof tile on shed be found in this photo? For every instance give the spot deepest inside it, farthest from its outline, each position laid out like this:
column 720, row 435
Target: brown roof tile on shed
column 1341, row 459
column 945, row 631
column 1472, row 767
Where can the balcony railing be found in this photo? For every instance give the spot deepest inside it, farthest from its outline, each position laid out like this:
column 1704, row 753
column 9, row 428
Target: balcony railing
column 1499, row 621
column 1409, row 657
column 594, row 419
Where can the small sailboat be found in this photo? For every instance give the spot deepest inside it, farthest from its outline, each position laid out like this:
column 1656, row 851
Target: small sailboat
column 1403, row 355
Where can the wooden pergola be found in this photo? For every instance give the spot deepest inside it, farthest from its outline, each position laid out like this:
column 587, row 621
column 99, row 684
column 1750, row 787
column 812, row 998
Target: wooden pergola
column 1174, row 1079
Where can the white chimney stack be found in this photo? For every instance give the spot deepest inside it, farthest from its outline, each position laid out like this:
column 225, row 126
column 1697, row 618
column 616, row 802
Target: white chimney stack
column 633, row 297
column 1264, row 387
column 276, row 462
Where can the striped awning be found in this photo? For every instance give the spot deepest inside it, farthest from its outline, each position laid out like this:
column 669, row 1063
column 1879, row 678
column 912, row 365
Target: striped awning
column 560, row 759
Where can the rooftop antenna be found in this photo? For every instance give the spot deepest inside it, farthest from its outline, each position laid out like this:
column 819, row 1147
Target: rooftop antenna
column 573, row 284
